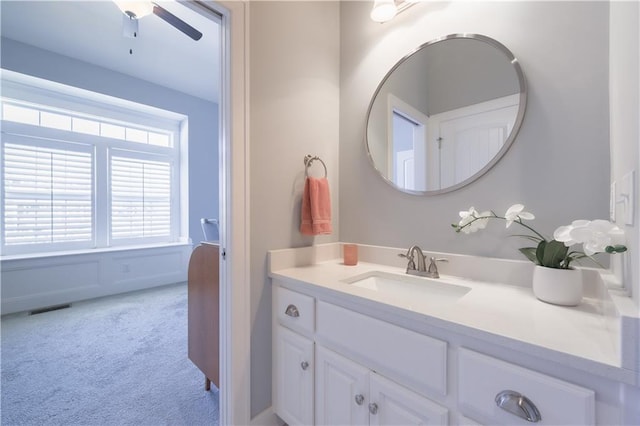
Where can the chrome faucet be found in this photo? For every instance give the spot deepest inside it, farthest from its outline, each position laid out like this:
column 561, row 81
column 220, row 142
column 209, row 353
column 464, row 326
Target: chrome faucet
column 412, row 269
column 419, row 268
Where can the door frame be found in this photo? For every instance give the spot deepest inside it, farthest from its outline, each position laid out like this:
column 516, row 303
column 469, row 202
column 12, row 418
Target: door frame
column 235, row 354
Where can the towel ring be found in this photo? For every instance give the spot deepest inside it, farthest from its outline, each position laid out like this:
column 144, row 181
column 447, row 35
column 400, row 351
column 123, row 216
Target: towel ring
column 308, row 160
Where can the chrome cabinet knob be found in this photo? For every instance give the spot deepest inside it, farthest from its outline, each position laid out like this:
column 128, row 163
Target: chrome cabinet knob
column 373, row 408
column 292, row 311
column 519, row 405
column 304, row 365
column 359, row 399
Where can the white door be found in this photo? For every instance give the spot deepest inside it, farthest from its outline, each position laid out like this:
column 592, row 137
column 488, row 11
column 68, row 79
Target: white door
column 407, row 146
column 392, row 404
column 294, row 377
column 404, row 171
column 470, row 137
column 342, row 390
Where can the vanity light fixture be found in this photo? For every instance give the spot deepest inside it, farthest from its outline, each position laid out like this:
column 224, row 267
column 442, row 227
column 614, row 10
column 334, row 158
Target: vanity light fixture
column 386, row 10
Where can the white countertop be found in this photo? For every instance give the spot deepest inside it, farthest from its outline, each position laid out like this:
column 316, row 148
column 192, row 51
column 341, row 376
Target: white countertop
column 581, row 336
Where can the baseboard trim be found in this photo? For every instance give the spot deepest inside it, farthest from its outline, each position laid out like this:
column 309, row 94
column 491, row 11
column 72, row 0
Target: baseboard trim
column 266, row 418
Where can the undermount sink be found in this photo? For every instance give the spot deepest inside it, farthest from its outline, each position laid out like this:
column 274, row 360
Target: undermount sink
column 409, row 288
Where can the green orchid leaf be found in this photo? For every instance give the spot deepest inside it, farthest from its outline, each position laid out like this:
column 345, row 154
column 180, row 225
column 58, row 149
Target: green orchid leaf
column 530, row 253
column 555, row 253
column 540, row 252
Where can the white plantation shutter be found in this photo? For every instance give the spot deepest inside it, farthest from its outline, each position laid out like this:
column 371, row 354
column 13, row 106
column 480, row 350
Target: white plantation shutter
column 47, row 195
column 140, row 198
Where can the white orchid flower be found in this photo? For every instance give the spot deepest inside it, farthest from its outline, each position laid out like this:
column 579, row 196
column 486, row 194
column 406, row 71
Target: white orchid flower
column 516, row 212
column 472, row 212
column 482, row 222
column 563, row 233
column 473, row 221
column 597, row 235
column 467, row 217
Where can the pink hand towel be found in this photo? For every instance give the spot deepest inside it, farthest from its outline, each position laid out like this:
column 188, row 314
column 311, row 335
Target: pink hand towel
column 316, row 207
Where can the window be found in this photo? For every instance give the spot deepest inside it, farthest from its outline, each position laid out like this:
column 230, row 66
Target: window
column 47, row 195
column 140, row 198
column 72, row 180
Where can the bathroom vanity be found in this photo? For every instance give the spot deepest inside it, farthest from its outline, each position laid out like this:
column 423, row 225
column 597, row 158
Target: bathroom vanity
column 368, row 344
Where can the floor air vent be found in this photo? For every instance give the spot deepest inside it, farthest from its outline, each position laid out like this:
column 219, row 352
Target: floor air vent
column 49, row 309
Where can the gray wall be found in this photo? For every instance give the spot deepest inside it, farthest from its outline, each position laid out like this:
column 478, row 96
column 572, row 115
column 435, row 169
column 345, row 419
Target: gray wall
column 294, row 107
column 203, row 115
column 559, row 164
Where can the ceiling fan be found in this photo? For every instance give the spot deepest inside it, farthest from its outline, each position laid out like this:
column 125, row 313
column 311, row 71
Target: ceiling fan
column 134, row 10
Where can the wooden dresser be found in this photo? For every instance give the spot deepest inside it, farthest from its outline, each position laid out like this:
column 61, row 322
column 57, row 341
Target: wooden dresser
column 204, row 311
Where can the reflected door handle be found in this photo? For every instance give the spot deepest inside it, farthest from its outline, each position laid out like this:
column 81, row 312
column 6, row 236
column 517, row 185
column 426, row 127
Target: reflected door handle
column 519, row 405
column 292, row 311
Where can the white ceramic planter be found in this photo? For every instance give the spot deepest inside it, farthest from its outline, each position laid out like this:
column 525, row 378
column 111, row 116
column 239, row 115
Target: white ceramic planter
column 558, row 286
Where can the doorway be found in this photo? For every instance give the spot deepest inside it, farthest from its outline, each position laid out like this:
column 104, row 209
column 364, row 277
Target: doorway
column 233, row 216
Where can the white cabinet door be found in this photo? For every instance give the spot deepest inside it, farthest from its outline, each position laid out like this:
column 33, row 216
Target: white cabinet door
column 392, row 404
column 342, row 390
column 293, row 376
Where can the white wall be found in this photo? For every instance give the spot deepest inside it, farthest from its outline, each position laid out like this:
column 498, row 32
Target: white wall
column 624, row 83
column 294, row 107
column 559, row 164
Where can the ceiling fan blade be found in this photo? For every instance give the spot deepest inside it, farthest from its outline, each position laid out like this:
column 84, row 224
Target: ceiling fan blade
column 178, row 23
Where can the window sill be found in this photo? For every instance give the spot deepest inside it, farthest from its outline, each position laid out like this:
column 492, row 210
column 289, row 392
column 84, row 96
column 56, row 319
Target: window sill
column 92, row 251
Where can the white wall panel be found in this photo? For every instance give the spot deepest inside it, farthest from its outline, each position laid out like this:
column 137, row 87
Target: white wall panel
column 32, row 283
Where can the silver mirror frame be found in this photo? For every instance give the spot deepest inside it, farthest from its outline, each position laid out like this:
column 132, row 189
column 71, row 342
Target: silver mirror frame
column 508, row 142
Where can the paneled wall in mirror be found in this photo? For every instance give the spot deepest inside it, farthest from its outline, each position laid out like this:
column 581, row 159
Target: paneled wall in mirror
column 445, row 114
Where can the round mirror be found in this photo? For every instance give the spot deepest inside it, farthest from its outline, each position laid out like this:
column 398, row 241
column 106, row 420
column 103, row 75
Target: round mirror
column 445, row 114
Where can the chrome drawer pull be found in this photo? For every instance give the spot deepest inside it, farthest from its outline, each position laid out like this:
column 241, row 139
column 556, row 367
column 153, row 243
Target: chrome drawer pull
column 292, row 311
column 519, row 405
column 304, row 365
column 359, row 399
column 373, row 408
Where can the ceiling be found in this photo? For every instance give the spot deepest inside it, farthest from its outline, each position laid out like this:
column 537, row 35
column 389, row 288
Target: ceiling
column 92, row 31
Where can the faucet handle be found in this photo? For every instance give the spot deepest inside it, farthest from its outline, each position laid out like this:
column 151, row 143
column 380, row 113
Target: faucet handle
column 433, row 267
column 408, row 256
column 411, row 264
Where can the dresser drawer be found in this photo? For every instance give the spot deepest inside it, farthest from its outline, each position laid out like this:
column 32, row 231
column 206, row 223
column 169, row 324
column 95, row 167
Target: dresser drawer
column 482, row 378
column 407, row 357
column 294, row 310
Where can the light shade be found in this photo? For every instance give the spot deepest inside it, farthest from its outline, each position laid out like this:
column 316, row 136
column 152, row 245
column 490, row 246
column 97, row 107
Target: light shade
column 138, row 8
column 383, row 10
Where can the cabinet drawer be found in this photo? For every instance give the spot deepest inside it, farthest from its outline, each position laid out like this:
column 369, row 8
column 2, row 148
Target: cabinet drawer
column 482, row 378
column 410, row 358
column 294, row 310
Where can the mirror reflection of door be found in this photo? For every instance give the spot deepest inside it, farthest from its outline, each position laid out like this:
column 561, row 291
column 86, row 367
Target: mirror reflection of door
column 408, row 146
column 469, row 137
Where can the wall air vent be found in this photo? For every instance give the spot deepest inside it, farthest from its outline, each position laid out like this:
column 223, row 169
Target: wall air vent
column 49, row 309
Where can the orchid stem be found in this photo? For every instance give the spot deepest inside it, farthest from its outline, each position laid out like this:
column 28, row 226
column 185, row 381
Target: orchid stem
column 495, row 216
